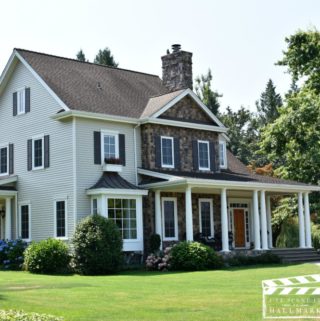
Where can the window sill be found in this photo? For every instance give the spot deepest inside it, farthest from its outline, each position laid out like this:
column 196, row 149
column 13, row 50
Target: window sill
column 112, row 168
column 166, row 239
column 62, row 238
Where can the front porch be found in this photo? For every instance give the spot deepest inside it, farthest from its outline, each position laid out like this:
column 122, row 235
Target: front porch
column 236, row 218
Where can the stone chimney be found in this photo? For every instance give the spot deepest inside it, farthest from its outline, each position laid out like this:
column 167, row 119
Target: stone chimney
column 177, row 69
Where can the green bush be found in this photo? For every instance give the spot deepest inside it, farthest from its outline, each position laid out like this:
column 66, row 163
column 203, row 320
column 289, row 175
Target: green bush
column 243, row 260
column 97, row 246
column 22, row 316
column 289, row 233
column 11, row 254
column 194, row 256
column 316, row 236
column 155, row 242
column 48, row 256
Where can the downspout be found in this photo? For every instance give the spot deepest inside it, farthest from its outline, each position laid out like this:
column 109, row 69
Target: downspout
column 135, row 152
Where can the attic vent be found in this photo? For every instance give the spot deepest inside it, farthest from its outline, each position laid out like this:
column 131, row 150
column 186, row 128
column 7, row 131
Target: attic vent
column 99, row 86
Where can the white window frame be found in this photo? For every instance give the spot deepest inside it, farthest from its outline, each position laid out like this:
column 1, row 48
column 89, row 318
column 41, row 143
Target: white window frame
column 207, row 143
column 109, row 133
column 172, row 151
column 92, row 207
column 224, row 165
column 7, row 147
column 22, row 102
column 25, row 203
column 34, row 138
column 206, row 200
column 55, row 218
column 176, row 231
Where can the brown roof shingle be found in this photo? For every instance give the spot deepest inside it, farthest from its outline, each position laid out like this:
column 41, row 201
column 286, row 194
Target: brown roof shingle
column 95, row 88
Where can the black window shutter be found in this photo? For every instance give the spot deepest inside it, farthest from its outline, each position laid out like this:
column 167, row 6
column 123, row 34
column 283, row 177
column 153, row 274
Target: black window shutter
column 122, row 149
column 29, row 147
column 27, row 100
column 14, row 99
column 46, row 151
column 10, row 159
column 157, row 143
column 195, row 155
column 177, row 164
column 97, row 147
column 212, row 156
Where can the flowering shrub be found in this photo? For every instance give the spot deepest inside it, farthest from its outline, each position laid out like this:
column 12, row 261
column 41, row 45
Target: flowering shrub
column 159, row 262
column 11, row 254
column 48, row 256
column 22, row 316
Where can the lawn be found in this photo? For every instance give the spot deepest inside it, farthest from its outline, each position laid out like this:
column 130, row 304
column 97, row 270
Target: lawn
column 233, row 294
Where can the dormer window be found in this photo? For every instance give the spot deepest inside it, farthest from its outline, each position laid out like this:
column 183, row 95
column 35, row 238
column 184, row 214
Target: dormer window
column 203, row 155
column 167, row 152
column 223, row 154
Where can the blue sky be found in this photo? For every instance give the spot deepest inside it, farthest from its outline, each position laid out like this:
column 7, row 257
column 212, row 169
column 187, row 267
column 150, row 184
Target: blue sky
column 239, row 40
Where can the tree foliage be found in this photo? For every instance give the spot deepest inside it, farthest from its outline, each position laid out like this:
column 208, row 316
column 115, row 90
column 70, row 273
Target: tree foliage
column 268, row 105
column 208, row 96
column 81, row 56
column 105, row 57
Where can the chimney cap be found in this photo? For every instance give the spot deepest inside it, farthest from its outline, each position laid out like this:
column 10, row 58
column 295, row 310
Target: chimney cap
column 176, row 47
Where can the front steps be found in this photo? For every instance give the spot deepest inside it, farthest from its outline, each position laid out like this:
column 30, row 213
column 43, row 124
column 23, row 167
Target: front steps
column 297, row 255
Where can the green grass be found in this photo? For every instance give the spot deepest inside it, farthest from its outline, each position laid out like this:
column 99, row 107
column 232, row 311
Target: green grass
column 233, row 294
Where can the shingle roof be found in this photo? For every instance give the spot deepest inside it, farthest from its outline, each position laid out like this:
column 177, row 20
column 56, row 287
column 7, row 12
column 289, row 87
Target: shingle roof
column 114, row 181
column 95, row 88
column 156, row 103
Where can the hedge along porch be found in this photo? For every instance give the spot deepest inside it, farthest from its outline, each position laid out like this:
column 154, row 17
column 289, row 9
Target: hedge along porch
column 182, row 207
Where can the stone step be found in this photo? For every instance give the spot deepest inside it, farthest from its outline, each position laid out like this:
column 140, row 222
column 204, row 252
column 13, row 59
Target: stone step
column 295, row 255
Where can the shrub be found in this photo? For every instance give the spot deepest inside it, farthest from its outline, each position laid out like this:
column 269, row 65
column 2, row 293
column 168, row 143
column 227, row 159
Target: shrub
column 97, row 246
column 22, row 316
column 48, row 256
column 11, row 254
column 243, row 260
column 194, row 256
column 155, row 242
column 159, row 262
column 316, row 236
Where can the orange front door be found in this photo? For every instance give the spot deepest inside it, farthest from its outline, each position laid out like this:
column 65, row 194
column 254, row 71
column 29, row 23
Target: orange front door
column 239, row 228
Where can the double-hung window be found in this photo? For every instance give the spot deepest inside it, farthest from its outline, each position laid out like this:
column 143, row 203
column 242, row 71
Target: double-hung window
column 110, row 145
column 38, row 152
column 222, row 154
column 25, row 219
column 206, row 217
column 169, row 219
column 60, row 219
column 167, row 152
column 203, row 155
column 4, row 160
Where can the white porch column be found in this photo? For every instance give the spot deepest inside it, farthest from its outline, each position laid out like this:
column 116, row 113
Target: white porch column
column 302, row 239
column 269, row 222
column 158, row 223
column 264, row 234
column 8, row 234
column 307, row 220
column 189, row 220
column 224, row 221
column 256, row 218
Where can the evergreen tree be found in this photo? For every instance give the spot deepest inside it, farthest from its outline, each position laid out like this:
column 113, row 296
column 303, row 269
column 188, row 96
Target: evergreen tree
column 81, row 56
column 268, row 106
column 208, row 96
column 104, row 57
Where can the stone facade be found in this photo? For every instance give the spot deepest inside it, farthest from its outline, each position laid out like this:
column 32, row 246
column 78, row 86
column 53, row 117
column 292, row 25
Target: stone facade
column 149, row 215
column 186, row 137
column 187, row 110
column 177, row 70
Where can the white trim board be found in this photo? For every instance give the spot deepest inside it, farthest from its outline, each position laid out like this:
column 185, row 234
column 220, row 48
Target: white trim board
column 111, row 191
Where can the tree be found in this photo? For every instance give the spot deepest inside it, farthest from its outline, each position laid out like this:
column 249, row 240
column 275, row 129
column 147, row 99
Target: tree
column 81, row 56
column 104, row 57
column 208, row 96
column 302, row 58
column 269, row 103
column 243, row 134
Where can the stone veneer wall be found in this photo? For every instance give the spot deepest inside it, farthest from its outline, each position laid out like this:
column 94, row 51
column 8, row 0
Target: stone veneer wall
column 186, row 136
column 149, row 215
column 187, row 110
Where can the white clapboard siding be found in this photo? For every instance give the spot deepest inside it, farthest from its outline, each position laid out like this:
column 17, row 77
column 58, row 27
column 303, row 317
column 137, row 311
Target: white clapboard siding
column 87, row 172
column 41, row 187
